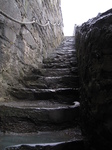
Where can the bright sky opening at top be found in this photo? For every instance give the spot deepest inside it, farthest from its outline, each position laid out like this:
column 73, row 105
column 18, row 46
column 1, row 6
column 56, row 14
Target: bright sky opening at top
column 80, row 11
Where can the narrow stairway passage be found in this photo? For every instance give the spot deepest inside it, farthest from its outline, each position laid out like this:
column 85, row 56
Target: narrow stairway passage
column 57, row 77
column 45, row 112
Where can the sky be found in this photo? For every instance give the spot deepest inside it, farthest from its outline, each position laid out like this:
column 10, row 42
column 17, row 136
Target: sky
column 80, row 11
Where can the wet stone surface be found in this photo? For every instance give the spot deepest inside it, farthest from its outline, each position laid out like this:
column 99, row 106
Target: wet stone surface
column 45, row 112
column 42, row 138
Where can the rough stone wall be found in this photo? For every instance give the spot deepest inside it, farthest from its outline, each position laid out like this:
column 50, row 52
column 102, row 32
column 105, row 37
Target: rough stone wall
column 94, row 51
column 22, row 47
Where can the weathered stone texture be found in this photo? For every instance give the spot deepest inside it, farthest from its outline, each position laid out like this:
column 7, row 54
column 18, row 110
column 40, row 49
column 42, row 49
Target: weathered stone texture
column 94, row 52
column 22, row 47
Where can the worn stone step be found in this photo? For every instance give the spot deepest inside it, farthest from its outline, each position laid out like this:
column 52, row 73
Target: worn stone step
column 53, row 72
column 67, row 46
column 69, row 139
column 60, row 64
column 67, row 42
column 59, row 71
column 26, row 117
column 61, row 51
column 63, row 95
column 66, row 81
column 59, row 59
column 61, row 56
column 34, row 81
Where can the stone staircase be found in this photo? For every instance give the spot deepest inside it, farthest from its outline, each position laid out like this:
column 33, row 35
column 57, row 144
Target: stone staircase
column 46, row 113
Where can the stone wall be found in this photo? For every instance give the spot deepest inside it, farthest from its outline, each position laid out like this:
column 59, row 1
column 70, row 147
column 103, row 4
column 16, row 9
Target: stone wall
column 23, row 47
column 94, row 51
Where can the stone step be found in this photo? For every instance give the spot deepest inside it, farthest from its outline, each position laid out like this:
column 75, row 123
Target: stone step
column 61, row 51
column 62, row 95
column 34, row 81
column 53, row 72
column 59, row 71
column 67, row 46
column 60, row 64
column 59, row 59
column 62, row 55
column 69, row 139
column 26, row 117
